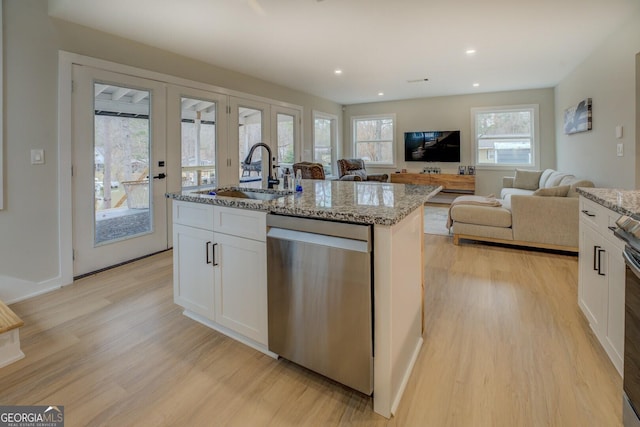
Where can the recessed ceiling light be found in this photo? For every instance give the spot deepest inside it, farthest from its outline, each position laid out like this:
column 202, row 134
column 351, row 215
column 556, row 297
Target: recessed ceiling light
column 470, row 51
column 337, row 71
column 380, row 93
column 476, row 84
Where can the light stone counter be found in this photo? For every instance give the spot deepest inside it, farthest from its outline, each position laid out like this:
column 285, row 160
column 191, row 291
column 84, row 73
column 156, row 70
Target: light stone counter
column 348, row 201
column 625, row 202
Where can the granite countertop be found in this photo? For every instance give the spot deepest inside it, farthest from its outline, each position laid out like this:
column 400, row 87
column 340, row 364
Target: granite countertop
column 625, row 202
column 348, row 201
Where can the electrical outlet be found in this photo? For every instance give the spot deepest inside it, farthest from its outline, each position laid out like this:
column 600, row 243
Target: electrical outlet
column 620, row 150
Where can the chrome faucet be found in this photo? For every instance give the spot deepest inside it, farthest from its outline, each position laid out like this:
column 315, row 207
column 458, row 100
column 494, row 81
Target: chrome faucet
column 271, row 180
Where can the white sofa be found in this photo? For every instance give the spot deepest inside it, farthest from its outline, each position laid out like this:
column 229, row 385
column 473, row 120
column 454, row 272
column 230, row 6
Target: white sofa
column 539, row 209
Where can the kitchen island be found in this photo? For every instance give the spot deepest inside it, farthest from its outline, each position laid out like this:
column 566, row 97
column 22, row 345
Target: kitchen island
column 395, row 214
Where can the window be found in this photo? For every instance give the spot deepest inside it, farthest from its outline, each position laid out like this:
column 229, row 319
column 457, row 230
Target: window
column 506, row 136
column 373, row 139
column 325, row 141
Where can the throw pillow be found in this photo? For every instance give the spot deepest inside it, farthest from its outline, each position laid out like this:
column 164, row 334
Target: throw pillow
column 358, row 172
column 526, row 180
column 560, row 191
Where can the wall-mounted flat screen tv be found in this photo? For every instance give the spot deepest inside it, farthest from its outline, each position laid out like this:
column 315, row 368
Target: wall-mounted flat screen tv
column 432, row 146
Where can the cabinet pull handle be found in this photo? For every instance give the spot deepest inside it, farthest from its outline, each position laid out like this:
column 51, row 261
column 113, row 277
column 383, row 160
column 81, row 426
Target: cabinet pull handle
column 612, row 228
column 587, row 213
column 206, row 250
column 600, row 251
column 214, row 254
column 595, row 258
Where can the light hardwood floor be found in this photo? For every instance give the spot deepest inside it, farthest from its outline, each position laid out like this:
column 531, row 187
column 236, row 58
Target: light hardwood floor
column 505, row 345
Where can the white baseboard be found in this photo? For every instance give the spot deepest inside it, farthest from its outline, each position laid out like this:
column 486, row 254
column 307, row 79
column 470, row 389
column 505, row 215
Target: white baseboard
column 228, row 332
column 13, row 289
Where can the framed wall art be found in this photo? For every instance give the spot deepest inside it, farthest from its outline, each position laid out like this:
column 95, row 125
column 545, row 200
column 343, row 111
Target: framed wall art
column 577, row 118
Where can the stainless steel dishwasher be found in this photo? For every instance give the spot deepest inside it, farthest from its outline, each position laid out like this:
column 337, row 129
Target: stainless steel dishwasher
column 320, row 297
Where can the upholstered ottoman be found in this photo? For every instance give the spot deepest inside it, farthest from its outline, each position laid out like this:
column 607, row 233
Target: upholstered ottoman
column 477, row 222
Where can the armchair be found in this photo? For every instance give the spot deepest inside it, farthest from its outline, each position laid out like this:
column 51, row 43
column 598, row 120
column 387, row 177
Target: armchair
column 355, row 167
column 309, row 170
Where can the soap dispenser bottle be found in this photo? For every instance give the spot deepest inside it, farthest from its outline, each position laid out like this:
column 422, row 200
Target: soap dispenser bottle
column 287, row 184
column 298, row 180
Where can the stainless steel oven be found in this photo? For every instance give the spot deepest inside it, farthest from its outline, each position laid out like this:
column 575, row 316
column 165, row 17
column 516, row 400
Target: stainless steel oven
column 631, row 377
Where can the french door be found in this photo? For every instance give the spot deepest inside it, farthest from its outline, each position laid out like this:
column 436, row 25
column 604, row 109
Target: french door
column 119, row 147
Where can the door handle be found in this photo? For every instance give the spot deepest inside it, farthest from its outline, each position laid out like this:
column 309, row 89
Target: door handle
column 214, row 254
column 160, row 176
column 206, row 251
column 600, row 251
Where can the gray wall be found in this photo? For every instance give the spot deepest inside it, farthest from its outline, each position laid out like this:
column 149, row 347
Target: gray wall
column 29, row 223
column 454, row 113
column 608, row 76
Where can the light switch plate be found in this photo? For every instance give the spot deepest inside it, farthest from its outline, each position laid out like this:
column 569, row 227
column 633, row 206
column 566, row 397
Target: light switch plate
column 620, row 150
column 37, row 156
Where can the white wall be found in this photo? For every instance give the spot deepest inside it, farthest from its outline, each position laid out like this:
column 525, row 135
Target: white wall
column 454, row 113
column 29, row 237
column 608, row 76
column 29, row 223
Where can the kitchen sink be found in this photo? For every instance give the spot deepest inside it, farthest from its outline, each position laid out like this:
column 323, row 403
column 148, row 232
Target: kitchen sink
column 248, row 194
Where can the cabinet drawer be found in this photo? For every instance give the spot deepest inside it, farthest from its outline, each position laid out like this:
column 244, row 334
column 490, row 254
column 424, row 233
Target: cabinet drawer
column 593, row 214
column 241, row 223
column 198, row 215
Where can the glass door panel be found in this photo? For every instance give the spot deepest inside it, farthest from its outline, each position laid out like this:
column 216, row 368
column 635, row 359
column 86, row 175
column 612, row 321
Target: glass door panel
column 122, row 142
column 250, row 132
column 323, row 131
column 285, row 126
column 286, row 140
column 198, row 143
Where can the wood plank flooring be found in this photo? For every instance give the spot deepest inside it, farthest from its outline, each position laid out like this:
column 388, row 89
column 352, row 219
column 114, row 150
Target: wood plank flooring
column 505, row 345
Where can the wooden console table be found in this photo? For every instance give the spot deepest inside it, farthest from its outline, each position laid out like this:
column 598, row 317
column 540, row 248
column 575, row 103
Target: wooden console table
column 463, row 184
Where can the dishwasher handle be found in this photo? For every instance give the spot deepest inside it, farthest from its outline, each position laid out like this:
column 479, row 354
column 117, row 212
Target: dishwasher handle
column 319, row 239
column 322, row 227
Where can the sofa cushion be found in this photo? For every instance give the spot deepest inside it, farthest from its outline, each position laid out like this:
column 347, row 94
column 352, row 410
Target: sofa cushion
column 556, row 179
column 559, row 191
column 358, row 172
column 494, row 216
column 544, row 177
column 527, row 180
column 579, row 183
column 505, row 193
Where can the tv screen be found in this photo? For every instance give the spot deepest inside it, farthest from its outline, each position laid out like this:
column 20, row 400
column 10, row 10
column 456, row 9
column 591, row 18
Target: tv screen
column 432, row 146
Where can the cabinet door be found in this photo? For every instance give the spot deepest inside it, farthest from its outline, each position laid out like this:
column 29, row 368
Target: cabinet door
column 193, row 269
column 592, row 292
column 615, row 312
column 241, row 286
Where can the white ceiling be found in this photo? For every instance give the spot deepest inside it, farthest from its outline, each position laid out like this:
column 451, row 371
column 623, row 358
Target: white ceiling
column 379, row 44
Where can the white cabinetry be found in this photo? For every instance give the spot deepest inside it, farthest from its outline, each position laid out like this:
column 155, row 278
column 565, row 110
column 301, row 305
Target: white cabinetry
column 219, row 268
column 192, row 269
column 601, row 280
